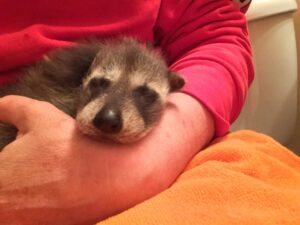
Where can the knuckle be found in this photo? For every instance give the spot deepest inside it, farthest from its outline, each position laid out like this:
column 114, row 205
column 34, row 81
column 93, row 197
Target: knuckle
column 26, row 105
column 26, row 109
column 8, row 99
column 14, row 101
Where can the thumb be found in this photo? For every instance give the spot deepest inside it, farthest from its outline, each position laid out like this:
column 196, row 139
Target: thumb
column 22, row 112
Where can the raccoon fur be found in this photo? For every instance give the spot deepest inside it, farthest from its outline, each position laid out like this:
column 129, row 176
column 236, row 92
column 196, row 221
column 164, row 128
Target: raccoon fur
column 116, row 90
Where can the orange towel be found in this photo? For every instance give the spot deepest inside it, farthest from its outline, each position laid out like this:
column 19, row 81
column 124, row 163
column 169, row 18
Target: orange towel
column 243, row 178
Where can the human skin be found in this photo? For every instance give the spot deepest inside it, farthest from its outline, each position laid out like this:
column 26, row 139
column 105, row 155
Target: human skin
column 52, row 174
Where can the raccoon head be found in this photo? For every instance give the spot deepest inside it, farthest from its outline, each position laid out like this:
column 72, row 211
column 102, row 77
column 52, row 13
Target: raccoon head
column 124, row 92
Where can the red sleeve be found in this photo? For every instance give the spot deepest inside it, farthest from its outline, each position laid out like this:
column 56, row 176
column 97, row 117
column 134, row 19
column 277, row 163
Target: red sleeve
column 207, row 43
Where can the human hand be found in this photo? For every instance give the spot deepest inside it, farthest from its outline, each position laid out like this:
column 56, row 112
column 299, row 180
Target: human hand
column 52, row 174
column 41, row 178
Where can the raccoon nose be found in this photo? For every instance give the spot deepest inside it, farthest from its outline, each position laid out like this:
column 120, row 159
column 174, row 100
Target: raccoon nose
column 108, row 120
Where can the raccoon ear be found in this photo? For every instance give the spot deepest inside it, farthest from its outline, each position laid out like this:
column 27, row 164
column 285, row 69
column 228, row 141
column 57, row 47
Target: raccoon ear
column 175, row 81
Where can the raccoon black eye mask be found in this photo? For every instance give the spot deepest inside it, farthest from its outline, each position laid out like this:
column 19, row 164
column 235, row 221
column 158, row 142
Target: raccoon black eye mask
column 116, row 90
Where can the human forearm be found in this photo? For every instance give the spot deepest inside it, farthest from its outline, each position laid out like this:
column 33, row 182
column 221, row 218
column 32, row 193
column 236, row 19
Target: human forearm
column 136, row 172
column 70, row 178
column 207, row 43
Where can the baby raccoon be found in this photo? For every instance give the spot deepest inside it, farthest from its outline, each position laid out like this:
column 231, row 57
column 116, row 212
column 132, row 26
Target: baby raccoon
column 116, row 90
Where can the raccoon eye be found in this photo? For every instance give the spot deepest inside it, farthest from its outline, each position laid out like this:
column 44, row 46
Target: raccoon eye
column 145, row 95
column 99, row 83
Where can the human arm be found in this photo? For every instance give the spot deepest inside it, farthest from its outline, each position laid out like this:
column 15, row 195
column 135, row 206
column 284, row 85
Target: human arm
column 207, row 42
column 54, row 175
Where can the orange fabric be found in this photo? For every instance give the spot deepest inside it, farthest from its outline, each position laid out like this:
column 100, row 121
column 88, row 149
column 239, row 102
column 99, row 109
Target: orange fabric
column 242, row 178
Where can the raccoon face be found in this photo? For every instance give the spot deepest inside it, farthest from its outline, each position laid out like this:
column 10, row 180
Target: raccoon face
column 124, row 93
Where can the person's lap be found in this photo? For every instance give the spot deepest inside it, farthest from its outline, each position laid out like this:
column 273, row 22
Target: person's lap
column 242, row 178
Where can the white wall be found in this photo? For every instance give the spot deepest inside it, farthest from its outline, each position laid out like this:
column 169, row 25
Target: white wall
column 295, row 142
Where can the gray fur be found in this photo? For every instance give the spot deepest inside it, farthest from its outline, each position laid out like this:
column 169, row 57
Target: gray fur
column 62, row 78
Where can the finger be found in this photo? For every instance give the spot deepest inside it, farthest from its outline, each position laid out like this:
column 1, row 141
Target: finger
column 19, row 111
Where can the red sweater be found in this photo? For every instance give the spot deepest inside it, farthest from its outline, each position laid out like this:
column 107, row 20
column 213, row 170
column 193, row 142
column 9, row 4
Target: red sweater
column 206, row 40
